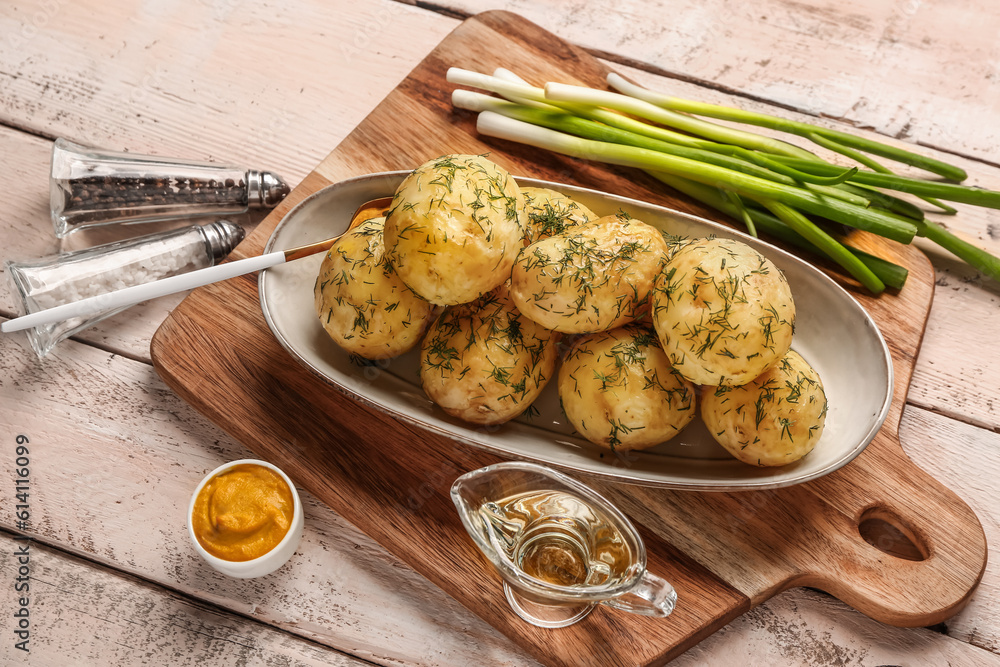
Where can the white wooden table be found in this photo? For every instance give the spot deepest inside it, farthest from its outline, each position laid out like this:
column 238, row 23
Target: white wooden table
column 114, row 454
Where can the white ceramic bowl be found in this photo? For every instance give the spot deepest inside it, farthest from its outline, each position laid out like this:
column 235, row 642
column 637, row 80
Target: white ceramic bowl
column 273, row 559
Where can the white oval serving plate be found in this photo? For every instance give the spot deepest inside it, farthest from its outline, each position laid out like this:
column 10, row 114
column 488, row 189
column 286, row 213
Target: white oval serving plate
column 832, row 331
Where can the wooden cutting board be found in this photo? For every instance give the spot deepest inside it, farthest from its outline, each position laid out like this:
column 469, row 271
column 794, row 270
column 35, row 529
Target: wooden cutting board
column 880, row 534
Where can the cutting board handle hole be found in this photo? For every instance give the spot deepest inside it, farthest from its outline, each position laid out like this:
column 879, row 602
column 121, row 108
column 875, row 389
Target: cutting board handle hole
column 889, row 534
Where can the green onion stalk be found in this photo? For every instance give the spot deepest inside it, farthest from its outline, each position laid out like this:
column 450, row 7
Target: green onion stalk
column 805, row 161
column 890, row 274
column 951, row 191
column 882, row 223
column 722, row 166
column 561, row 92
column 872, row 164
column 837, row 252
column 839, row 142
column 513, row 88
column 879, row 222
column 554, row 119
column 533, row 96
column 806, row 130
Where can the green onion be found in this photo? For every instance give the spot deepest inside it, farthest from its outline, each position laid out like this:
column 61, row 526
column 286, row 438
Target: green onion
column 879, row 222
column 872, row 164
column 621, row 122
column 561, row 92
column 516, row 90
column 743, row 211
column 886, row 201
column 556, row 119
column 951, row 191
column 839, row 142
column 807, row 130
column 838, row 253
column 735, row 171
column 972, row 255
column 892, row 275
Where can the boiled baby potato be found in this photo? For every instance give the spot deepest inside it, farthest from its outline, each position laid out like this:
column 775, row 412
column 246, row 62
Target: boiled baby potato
column 455, row 228
column 593, row 277
column 773, row 420
column 484, row 362
column 724, row 312
column 360, row 300
column 618, row 390
column 550, row 213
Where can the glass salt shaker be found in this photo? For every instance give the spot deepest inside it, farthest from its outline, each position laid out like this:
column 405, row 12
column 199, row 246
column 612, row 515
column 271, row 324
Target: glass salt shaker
column 91, row 187
column 59, row 279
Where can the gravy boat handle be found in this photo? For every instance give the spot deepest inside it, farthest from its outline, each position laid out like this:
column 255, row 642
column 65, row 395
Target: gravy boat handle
column 651, row 596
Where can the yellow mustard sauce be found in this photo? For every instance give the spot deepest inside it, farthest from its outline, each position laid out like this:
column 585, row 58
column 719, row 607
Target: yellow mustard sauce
column 243, row 512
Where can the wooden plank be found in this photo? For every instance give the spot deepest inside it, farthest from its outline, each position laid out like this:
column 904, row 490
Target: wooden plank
column 964, row 458
column 921, row 71
column 806, row 534
column 373, row 595
column 82, row 613
column 808, row 629
column 209, row 80
column 115, row 457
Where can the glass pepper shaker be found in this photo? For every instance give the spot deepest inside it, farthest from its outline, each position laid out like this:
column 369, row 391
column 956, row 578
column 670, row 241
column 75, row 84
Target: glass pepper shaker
column 59, row 279
column 96, row 187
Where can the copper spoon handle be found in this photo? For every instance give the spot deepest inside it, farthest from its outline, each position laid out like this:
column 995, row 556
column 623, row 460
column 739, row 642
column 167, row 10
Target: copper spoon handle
column 372, row 209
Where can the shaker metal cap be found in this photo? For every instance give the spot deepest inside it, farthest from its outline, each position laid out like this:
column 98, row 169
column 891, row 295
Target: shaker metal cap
column 265, row 189
column 221, row 237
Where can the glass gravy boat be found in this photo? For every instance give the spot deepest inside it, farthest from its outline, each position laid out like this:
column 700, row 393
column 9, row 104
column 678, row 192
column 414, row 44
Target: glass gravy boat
column 560, row 547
